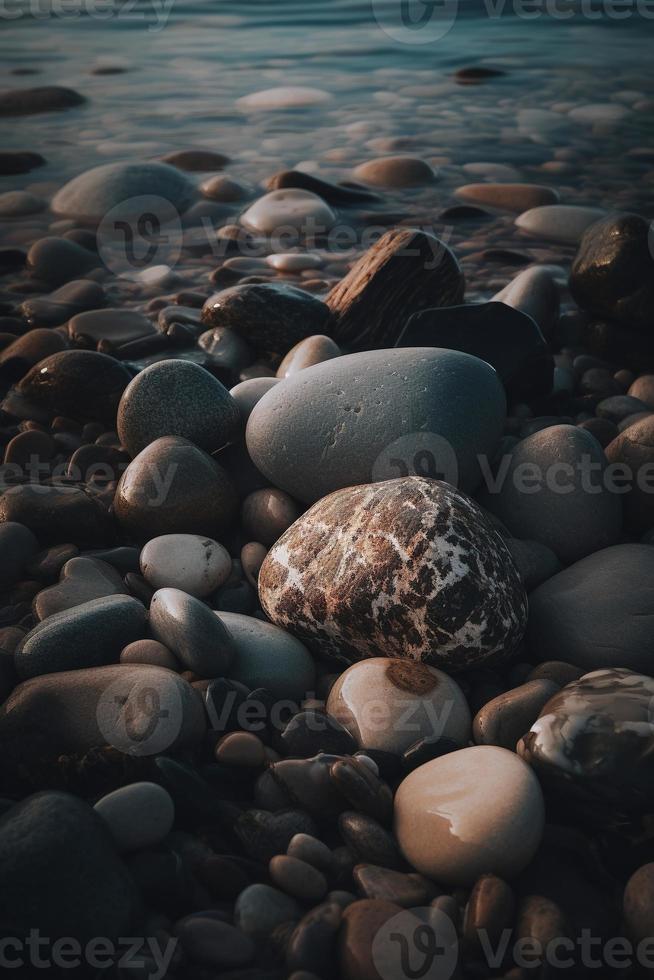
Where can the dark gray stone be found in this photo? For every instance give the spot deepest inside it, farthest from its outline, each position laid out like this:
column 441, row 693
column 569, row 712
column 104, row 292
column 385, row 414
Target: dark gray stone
column 82, row 579
column 17, row 547
column 192, row 631
column 58, row 260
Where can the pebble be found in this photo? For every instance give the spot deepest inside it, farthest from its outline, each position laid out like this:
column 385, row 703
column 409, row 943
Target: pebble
column 288, row 261
column 362, row 921
column 507, row 717
column 267, row 513
column 283, row 97
column 452, row 825
column 265, row 834
column 535, row 561
column 306, row 353
column 272, row 317
column 643, row 389
column 139, row 815
column 188, row 562
column 599, row 112
column 489, row 911
column 533, row 291
column 565, row 223
column 79, row 384
column 241, row 749
column 92, row 194
column 173, row 487
column 252, row 557
column 364, row 427
column 638, row 904
column 407, row 890
column 634, row 449
column 196, row 161
column 557, row 465
column 46, row 98
column 508, row 197
column 70, row 299
column 115, row 325
column 597, row 280
column 395, row 171
column 225, row 189
column 176, row 398
column 18, row 546
column 149, row 652
column 313, row 851
column 387, row 704
column 111, row 706
column 405, row 533
column 56, row 837
column 57, row 260
column 596, row 612
column 16, row 204
column 192, row 632
column 88, row 635
column 82, row 580
column 268, row 657
column 57, row 514
column 617, row 408
column 297, row 878
column 332, row 193
column 260, row 909
column 310, row 950
column 246, row 394
column 313, row 731
column 19, row 162
column 369, row 842
column 214, row 944
column 580, row 744
column 280, row 212
column 26, row 351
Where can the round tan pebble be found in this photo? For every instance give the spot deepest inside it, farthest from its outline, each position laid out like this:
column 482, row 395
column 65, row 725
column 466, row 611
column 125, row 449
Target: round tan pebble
column 310, row 351
column 387, row 704
column 149, row 652
column 507, row 717
column 490, row 910
column 267, row 513
column 241, row 749
column 252, row 558
column 362, row 920
column 297, row 878
column 395, row 171
column 192, row 563
column 479, row 810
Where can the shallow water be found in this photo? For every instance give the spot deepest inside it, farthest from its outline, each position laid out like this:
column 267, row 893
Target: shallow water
column 186, row 67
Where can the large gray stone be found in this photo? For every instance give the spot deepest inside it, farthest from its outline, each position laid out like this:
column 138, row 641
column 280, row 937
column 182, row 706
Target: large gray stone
column 89, row 635
column 377, row 415
column 91, row 194
column 176, row 398
column 551, row 488
column 61, row 874
column 599, row 612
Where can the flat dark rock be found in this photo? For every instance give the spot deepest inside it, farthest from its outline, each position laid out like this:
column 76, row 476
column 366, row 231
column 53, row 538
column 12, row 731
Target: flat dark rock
column 19, row 161
column 48, row 98
column 332, row 193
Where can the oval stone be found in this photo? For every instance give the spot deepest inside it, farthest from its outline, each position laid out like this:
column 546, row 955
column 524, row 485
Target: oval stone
column 375, row 415
column 277, row 212
column 395, row 171
column 176, row 398
column 189, row 562
column 453, row 825
column 138, row 815
column 93, row 193
column 409, row 568
column 388, row 704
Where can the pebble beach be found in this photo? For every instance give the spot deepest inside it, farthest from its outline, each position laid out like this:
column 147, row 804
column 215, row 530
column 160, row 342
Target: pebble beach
column 326, row 493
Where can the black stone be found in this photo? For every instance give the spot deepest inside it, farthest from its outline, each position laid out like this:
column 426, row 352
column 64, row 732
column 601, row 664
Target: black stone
column 507, row 338
column 613, row 272
column 57, row 514
column 332, row 193
column 19, row 161
column 49, row 98
column 263, row 834
column 310, row 732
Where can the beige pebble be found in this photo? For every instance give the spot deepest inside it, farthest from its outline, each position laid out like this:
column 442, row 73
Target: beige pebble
column 252, row 558
column 241, row 749
column 267, row 513
column 149, row 652
column 507, row 717
column 310, row 351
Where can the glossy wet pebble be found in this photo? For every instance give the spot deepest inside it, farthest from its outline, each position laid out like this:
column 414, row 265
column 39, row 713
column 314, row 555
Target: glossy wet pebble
column 93, row 193
column 452, row 825
column 504, row 719
column 189, row 562
column 363, row 426
column 372, row 570
column 176, row 398
column 289, row 209
column 596, row 612
column 174, row 487
column 388, row 704
column 192, row 632
column 592, row 744
column 139, row 815
column 395, row 171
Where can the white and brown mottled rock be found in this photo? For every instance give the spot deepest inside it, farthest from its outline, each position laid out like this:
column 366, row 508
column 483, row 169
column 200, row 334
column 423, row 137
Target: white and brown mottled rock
column 405, row 568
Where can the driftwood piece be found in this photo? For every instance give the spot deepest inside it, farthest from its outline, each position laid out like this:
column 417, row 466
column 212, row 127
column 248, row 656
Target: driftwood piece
column 404, row 272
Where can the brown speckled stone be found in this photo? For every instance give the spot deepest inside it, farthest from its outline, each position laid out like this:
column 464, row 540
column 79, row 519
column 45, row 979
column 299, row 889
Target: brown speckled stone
column 405, row 568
